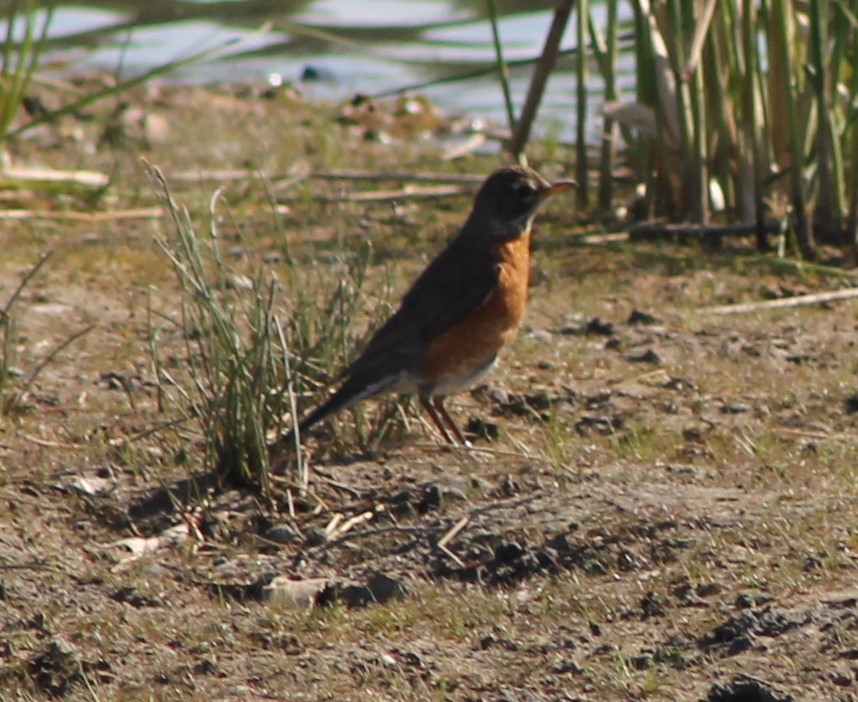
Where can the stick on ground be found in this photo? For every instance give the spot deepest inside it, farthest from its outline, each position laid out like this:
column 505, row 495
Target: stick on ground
column 810, row 299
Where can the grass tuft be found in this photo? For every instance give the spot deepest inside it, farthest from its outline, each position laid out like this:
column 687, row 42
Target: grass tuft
column 250, row 351
column 236, row 381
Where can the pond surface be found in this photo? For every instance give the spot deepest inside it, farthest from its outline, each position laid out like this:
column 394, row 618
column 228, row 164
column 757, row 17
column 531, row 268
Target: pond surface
column 347, row 46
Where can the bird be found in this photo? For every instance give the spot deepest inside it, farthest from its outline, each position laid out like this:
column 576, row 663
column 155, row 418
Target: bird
column 459, row 313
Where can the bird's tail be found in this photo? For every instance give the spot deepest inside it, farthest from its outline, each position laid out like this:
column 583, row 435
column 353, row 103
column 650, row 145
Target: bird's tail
column 339, row 400
column 349, row 394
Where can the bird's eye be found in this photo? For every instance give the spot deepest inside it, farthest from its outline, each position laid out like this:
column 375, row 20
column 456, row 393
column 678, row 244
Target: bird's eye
column 524, row 189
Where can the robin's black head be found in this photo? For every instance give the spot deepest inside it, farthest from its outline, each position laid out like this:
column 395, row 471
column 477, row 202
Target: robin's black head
column 509, row 198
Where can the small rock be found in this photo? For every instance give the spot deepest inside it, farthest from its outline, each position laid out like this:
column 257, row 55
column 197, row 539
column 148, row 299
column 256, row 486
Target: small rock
column 681, row 469
column 841, row 679
column 205, row 666
column 300, row 594
column 91, row 485
column 638, row 317
column 488, row 641
column 748, row 600
column 628, row 560
column 641, row 662
column 57, row 667
column 129, row 595
column 532, row 405
column 648, row 356
column 651, row 606
column 483, row 429
column 312, row 73
column 850, row 405
column 601, row 425
column 378, row 589
column 707, row 589
column 679, row 384
column 431, row 498
column 843, row 601
column 735, row 408
column 510, row 486
column 383, row 587
column 811, row 563
column 568, row 667
column 742, row 689
column 314, row 537
column 480, row 484
column 597, row 327
column 281, row 534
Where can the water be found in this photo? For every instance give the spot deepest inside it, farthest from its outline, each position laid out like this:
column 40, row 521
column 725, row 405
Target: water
column 370, row 47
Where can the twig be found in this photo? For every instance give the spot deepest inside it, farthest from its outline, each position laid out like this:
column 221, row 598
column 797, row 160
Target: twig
column 407, row 193
column 804, row 266
column 472, row 143
column 452, row 556
column 332, row 525
column 287, row 485
column 375, row 532
column 346, row 526
column 13, row 401
column 454, row 531
column 290, row 502
column 405, row 176
column 49, row 176
column 543, row 69
column 125, row 440
column 88, row 217
column 223, row 175
column 604, row 238
column 810, row 299
column 657, row 230
column 333, row 482
column 47, row 443
column 24, row 282
column 478, row 511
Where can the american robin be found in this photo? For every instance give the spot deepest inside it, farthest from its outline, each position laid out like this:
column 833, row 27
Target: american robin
column 460, row 312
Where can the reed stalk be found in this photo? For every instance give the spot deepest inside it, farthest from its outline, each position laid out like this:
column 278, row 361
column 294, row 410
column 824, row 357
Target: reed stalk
column 582, row 171
column 784, row 82
column 605, row 53
column 541, row 73
column 502, row 67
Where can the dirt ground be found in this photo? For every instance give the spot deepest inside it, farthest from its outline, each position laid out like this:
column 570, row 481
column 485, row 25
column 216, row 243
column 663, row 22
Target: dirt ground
column 660, row 504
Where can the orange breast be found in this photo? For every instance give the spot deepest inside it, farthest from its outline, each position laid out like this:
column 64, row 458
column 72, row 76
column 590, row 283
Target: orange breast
column 457, row 358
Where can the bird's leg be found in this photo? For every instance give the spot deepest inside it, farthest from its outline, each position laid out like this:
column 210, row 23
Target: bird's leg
column 439, row 406
column 436, row 419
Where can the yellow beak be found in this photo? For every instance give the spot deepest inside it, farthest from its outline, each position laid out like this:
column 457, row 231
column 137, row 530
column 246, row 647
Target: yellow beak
column 560, row 186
